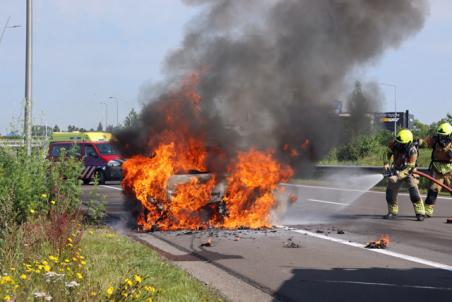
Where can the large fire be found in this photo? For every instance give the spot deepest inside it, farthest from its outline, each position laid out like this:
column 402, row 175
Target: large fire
column 241, row 196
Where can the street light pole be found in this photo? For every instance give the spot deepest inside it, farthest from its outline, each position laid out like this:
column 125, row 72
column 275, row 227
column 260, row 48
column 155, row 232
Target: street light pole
column 28, row 78
column 394, row 87
column 106, row 114
column 117, row 109
column 6, row 27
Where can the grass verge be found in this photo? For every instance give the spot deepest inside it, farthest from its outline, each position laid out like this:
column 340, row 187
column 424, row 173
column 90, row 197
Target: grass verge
column 113, row 256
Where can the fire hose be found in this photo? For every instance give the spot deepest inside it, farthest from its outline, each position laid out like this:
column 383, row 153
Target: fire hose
column 422, row 174
column 432, row 179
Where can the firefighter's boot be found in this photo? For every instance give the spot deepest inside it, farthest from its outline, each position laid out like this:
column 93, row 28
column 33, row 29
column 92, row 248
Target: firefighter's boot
column 393, row 211
column 419, row 210
column 428, row 210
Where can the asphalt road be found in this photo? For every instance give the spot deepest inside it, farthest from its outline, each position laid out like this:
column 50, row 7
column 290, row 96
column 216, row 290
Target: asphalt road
column 327, row 265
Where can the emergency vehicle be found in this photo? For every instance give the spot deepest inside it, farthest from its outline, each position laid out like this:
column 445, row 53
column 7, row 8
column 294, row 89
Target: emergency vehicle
column 100, row 158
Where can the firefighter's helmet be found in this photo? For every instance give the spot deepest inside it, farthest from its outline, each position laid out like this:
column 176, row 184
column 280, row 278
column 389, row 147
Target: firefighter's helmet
column 404, row 136
column 444, row 129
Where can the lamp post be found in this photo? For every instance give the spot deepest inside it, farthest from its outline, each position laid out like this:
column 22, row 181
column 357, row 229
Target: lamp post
column 7, row 27
column 28, row 77
column 394, row 87
column 106, row 114
column 117, row 108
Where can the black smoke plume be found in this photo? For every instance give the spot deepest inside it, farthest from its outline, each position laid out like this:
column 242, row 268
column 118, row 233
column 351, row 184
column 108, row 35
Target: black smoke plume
column 272, row 70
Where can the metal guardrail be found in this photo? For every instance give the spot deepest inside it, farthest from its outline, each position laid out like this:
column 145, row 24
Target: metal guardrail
column 18, row 143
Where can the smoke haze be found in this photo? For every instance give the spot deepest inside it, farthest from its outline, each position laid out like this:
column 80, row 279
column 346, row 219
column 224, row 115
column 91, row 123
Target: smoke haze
column 270, row 71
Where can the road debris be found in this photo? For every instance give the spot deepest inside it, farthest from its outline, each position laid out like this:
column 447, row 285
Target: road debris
column 290, row 244
column 207, row 244
column 340, row 232
column 381, row 243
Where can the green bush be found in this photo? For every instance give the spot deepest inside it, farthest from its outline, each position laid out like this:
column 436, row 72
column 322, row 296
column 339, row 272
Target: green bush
column 31, row 187
column 359, row 147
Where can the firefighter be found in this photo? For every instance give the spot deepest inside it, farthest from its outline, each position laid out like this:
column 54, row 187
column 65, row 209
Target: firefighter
column 441, row 164
column 404, row 152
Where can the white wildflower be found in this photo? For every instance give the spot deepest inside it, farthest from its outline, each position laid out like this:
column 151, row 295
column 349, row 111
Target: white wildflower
column 39, row 294
column 72, row 284
column 52, row 276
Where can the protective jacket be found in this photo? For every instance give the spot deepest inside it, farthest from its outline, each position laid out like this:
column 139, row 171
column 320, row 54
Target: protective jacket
column 441, row 153
column 404, row 158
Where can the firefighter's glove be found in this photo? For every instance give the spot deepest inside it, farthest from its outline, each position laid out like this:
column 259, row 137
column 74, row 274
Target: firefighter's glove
column 403, row 174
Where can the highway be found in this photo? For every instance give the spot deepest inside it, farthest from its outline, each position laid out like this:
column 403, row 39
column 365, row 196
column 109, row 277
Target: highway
column 316, row 252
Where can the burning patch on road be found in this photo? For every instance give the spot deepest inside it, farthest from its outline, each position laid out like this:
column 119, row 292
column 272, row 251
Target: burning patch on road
column 381, row 243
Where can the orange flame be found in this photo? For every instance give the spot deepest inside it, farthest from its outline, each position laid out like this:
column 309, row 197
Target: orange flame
column 250, row 181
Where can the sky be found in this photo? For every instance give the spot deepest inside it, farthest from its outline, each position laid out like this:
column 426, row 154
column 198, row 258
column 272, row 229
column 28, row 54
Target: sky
column 87, row 51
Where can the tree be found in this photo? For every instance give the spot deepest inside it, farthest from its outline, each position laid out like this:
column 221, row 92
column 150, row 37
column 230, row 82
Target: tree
column 71, row 128
column 359, row 106
column 420, row 129
column 131, row 119
column 100, row 127
column 56, row 128
column 110, row 128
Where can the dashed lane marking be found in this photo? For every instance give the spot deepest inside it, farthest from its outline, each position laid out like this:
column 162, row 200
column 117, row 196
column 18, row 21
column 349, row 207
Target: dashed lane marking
column 110, row 187
column 379, row 251
column 327, row 202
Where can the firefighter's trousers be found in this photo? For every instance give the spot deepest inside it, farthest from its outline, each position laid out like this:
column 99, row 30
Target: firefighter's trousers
column 434, row 189
column 392, row 190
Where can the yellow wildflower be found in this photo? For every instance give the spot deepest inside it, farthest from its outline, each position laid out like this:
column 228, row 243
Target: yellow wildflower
column 149, row 289
column 7, row 298
column 43, row 196
column 53, row 258
column 69, row 239
column 53, row 202
column 79, row 275
column 149, row 299
column 81, row 257
column 110, row 291
column 129, row 282
column 83, row 262
column 47, row 268
column 23, row 277
column 137, row 278
column 6, row 279
column 45, row 262
column 70, row 245
column 93, row 294
column 32, row 211
column 67, row 260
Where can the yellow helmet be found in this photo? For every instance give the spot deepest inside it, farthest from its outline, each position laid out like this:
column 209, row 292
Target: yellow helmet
column 444, row 129
column 404, row 136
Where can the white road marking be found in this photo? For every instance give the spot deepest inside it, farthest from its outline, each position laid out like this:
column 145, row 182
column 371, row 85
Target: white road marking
column 348, row 190
column 379, row 251
column 110, row 187
column 327, row 202
column 387, row 284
